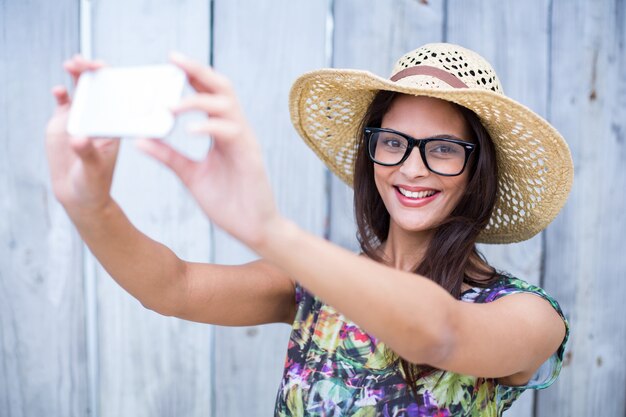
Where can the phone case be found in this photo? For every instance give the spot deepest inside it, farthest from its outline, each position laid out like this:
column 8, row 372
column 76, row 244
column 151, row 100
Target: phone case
column 126, row 101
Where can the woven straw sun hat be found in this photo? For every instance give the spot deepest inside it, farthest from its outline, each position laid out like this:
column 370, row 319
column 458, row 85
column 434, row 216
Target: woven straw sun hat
column 534, row 161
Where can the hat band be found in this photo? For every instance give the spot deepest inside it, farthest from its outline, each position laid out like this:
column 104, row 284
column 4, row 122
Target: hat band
column 444, row 76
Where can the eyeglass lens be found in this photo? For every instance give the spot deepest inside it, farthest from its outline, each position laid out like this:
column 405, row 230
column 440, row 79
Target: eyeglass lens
column 444, row 157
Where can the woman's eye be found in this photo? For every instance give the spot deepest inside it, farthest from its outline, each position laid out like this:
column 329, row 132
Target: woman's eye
column 392, row 143
column 444, row 149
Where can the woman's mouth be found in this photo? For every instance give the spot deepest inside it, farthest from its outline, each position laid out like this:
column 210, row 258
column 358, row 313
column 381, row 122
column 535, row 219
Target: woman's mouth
column 416, row 194
column 415, row 198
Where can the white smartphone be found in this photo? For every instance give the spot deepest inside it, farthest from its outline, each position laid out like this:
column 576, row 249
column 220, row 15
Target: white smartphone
column 126, row 101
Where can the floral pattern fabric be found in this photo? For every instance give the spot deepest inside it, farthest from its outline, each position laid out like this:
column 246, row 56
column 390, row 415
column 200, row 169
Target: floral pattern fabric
column 335, row 369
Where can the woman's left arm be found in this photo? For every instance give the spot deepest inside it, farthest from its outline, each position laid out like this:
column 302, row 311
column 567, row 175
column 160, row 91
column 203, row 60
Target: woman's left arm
column 417, row 318
column 232, row 188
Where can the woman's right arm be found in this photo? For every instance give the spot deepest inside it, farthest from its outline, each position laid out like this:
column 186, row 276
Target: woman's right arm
column 81, row 175
column 227, row 295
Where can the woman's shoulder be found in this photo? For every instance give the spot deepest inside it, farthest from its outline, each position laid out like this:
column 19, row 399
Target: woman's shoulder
column 504, row 284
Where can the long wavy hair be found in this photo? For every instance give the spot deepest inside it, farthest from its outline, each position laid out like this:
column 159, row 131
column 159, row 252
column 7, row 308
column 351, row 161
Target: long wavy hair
column 451, row 257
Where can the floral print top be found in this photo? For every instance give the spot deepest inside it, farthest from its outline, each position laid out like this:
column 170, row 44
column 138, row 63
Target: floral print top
column 335, row 369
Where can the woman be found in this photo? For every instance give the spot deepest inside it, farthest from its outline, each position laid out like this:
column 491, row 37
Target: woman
column 439, row 159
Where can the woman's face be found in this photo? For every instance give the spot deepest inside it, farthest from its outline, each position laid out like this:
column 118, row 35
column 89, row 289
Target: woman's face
column 421, row 117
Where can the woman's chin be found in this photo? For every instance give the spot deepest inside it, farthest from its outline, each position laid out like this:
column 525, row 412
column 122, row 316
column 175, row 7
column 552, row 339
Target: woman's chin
column 416, row 227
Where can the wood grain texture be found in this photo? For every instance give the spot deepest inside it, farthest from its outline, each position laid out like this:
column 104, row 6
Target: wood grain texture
column 151, row 365
column 584, row 264
column 514, row 38
column 372, row 35
column 42, row 327
column 262, row 49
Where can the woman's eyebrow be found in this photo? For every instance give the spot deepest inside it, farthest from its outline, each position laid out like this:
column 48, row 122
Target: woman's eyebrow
column 446, row 136
column 437, row 136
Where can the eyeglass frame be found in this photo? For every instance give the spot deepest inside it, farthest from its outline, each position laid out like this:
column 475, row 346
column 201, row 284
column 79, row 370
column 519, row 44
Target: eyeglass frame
column 421, row 145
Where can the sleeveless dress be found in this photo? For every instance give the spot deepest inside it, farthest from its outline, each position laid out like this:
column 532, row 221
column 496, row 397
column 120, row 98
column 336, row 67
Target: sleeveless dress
column 335, row 369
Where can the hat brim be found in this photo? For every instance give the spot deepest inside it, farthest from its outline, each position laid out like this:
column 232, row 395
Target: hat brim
column 534, row 162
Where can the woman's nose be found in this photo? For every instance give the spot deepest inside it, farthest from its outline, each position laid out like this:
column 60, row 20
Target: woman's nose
column 414, row 166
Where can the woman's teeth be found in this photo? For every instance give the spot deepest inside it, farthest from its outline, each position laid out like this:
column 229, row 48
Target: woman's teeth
column 416, row 194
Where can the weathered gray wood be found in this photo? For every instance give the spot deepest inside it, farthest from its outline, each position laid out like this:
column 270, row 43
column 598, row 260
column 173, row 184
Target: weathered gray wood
column 263, row 49
column 584, row 254
column 152, row 365
column 42, row 327
column 514, row 38
column 372, row 35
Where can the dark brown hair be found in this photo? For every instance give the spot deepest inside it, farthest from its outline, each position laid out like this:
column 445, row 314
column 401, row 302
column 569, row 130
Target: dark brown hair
column 451, row 257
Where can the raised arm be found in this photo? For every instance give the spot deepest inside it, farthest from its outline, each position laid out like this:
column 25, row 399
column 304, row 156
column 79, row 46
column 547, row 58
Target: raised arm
column 228, row 295
column 81, row 172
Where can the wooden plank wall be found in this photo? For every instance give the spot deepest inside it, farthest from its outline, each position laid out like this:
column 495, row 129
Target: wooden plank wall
column 43, row 363
column 584, row 249
column 72, row 343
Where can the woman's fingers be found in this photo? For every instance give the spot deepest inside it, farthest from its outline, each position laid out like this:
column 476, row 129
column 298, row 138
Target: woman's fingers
column 60, row 95
column 221, row 130
column 201, row 77
column 107, row 148
column 211, row 104
column 182, row 166
column 55, row 128
column 106, row 143
column 77, row 65
column 85, row 149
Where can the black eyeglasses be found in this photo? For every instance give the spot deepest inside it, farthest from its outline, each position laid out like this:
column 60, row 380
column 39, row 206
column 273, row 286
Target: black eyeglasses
column 442, row 156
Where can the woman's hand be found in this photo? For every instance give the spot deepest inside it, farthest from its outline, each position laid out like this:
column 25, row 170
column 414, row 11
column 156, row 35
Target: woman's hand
column 81, row 168
column 230, row 184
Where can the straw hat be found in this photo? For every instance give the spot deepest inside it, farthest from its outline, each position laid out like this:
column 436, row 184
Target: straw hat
column 534, row 161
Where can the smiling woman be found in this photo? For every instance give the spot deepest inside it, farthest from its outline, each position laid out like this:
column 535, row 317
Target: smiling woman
column 418, row 324
column 436, row 169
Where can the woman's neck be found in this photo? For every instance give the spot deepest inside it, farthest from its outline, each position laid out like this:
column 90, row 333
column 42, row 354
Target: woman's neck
column 404, row 250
